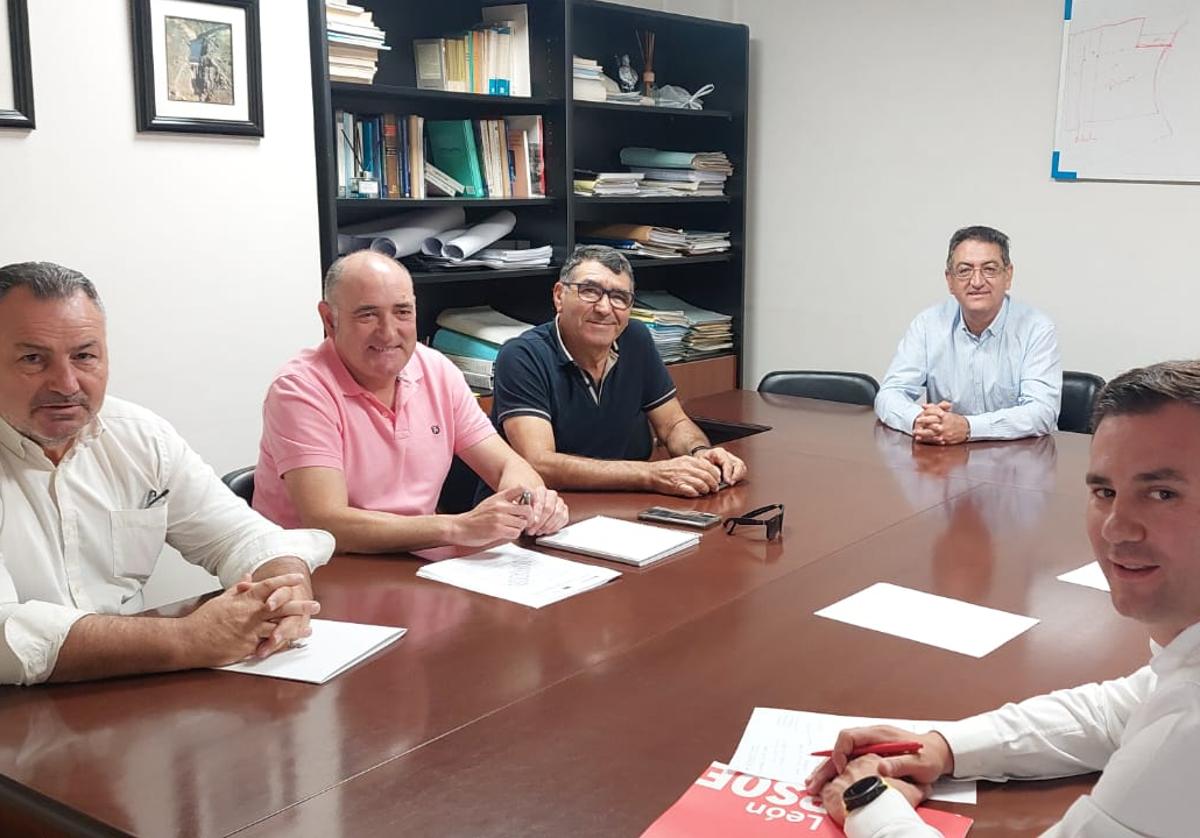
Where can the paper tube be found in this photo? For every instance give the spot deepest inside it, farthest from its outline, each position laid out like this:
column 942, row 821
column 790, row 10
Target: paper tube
column 481, row 235
column 403, row 235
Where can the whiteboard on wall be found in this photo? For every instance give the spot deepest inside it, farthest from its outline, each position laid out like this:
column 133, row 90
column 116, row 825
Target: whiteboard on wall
column 1129, row 91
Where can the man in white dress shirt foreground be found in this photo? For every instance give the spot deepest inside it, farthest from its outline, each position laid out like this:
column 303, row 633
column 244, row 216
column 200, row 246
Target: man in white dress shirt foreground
column 987, row 364
column 91, row 489
column 1142, row 731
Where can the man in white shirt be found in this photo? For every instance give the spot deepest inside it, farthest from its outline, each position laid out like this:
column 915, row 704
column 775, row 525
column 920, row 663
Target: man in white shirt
column 978, row 366
column 91, row 489
column 1142, row 731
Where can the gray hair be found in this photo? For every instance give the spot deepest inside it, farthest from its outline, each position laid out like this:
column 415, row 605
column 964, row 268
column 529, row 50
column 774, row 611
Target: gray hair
column 609, row 257
column 1146, row 389
column 987, row 235
column 47, row 281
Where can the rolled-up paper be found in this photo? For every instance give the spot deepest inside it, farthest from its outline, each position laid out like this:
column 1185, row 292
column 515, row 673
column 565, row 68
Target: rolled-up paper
column 476, row 238
column 403, row 235
column 434, row 245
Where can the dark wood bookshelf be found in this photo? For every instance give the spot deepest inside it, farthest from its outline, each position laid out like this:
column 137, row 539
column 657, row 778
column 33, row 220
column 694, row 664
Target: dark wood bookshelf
column 479, row 275
column 650, row 199
column 386, row 205
column 647, row 110
column 690, row 52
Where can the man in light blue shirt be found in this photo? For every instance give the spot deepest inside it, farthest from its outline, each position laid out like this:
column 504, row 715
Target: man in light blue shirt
column 988, row 365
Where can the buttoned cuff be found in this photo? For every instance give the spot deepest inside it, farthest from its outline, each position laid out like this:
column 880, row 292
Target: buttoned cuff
column 888, row 811
column 33, row 634
column 972, row 741
column 313, row 547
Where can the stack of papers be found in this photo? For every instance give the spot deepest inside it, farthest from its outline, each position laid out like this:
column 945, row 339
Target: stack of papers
column 778, row 744
column 700, row 161
column 519, row 575
column 331, row 649
column 471, row 338
column 620, row 541
column 682, row 181
column 652, row 241
column 708, row 331
column 588, row 79
column 483, row 323
column 354, row 42
column 602, row 184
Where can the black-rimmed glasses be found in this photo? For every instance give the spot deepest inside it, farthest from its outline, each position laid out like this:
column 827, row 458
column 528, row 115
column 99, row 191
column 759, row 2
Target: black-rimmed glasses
column 591, row 292
column 774, row 524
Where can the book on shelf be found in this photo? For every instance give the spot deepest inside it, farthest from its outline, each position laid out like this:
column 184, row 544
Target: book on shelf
column 430, row 57
column 491, row 58
column 441, row 183
column 516, row 17
column 353, row 43
column 452, row 149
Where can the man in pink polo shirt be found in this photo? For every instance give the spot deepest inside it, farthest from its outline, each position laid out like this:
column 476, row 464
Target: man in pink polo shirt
column 359, row 432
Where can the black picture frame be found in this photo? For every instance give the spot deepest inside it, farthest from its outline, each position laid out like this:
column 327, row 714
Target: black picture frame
column 148, row 117
column 21, row 115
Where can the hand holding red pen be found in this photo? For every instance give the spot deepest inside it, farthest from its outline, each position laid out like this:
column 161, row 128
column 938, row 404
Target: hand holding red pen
column 882, row 749
column 924, row 766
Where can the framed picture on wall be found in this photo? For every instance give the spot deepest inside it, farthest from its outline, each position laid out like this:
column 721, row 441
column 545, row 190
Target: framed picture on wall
column 197, row 66
column 16, row 73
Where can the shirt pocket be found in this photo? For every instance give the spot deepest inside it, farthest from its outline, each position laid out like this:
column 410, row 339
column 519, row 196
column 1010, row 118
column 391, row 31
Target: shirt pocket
column 138, row 536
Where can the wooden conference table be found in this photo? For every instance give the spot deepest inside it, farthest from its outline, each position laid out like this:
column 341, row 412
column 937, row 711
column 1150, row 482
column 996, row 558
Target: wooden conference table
column 592, row 716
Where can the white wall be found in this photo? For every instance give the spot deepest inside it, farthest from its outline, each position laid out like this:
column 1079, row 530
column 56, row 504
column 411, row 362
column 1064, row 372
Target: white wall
column 879, row 127
column 204, row 248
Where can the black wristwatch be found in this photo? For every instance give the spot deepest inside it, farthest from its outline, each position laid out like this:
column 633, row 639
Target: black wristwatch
column 861, row 793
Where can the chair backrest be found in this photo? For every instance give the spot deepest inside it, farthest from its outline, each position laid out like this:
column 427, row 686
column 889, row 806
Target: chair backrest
column 1079, row 393
column 241, row 482
column 847, row 387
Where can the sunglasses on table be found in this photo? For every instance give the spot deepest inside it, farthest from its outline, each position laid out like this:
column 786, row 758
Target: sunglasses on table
column 774, row 524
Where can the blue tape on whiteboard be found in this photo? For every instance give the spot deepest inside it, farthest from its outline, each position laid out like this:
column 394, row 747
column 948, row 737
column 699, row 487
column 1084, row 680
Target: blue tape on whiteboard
column 1066, row 9
column 1059, row 174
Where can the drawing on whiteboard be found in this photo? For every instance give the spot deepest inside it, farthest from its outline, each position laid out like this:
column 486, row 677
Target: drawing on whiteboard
column 1112, row 82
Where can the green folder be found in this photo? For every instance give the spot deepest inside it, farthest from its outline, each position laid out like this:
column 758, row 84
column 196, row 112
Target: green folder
column 452, row 149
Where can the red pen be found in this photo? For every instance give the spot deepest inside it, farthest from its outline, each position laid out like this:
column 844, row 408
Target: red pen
column 883, row 749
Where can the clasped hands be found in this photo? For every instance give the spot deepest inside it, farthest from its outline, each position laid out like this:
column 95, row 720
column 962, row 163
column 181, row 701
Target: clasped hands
column 911, row 774
column 251, row 619
column 504, row 517
column 938, row 425
column 693, row 475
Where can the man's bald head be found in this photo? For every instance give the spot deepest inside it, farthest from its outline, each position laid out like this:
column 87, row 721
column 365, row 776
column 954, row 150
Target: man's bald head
column 360, row 263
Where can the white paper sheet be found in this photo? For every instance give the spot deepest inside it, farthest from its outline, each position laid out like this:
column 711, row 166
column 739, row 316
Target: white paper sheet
column 491, row 229
column 1090, row 575
column 519, row 575
column 404, row 234
column 778, row 744
column 333, row 648
column 927, row 618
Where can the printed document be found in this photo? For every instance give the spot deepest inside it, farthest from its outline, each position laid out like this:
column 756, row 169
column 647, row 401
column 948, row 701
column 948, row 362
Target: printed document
column 519, row 575
column 778, row 745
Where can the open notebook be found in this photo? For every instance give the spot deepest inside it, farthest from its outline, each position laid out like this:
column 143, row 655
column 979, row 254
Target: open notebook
column 620, row 541
column 332, row 648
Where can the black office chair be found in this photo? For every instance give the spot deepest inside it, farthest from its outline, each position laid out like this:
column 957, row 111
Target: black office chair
column 846, row 387
column 241, row 482
column 1079, row 393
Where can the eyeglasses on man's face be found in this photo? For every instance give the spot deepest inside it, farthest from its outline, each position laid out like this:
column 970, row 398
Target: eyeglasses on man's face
column 989, row 271
column 592, row 292
column 774, row 524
